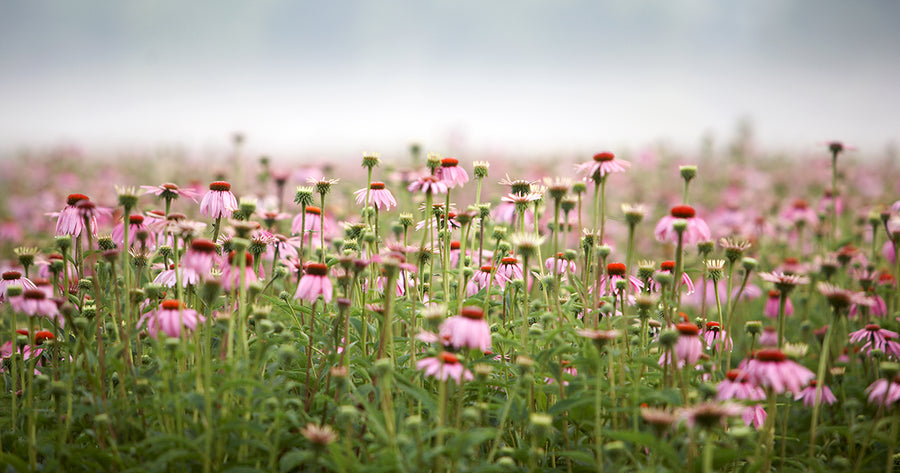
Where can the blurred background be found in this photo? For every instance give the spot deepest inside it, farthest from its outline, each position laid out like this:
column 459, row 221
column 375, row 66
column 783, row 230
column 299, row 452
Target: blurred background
column 504, row 77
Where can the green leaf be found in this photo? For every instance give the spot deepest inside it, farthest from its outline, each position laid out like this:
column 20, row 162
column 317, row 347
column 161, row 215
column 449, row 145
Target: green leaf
column 293, row 459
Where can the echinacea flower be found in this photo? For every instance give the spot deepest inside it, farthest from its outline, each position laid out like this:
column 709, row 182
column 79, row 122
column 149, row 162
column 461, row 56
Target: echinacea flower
column 171, row 317
column 687, row 349
column 668, row 267
column 479, row 280
column 876, row 338
column 319, row 436
column 696, row 229
column 884, row 392
column 602, row 164
column 768, row 337
column 784, row 282
column 428, row 185
column 14, row 278
column 169, row 192
column 599, row 337
column 509, row 269
column 231, row 273
column 736, row 386
column 379, row 196
column 219, row 201
column 443, row 367
column 451, row 174
column 840, row 299
column 808, row 395
column 567, row 369
column 69, row 221
column 772, row 302
column 709, row 414
column 800, row 213
column 771, row 369
column 135, row 225
column 35, row 302
column 716, row 338
column 563, row 265
column 467, row 330
column 616, row 272
column 314, row 283
column 201, row 257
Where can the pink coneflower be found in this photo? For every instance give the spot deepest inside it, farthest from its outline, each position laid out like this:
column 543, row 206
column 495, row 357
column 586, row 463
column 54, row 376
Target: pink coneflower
column 168, row 278
column 379, row 196
column 135, row 225
column 736, row 386
column 14, row 278
column 828, row 199
column 876, row 305
column 687, row 349
column 444, row 366
column 563, row 265
column 709, row 414
column 169, row 191
column 468, row 329
column 875, row 337
column 314, row 283
column 271, row 217
column 201, row 257
column 669, row 267
column 509, row 269
column 43, row 265
column 808, row 395
column 170, row 317
column 770, row 368
column 883, row 392
column 480, row 280
column 696, row 230
column 314, row 223
column 800, row 213
column 69, row 221
column 285, row 247
column 231, row 273
column 506, row 212
column 771, row 308
column 34, row 302
column 784, row 282
column 604, row 163
column 768, row 337
column 521, row 200
column 840, row 299
column 428, row 184
column 219, row 201
column 451, row 174
column 716, row 338
column 567, row 369
column 615, row 272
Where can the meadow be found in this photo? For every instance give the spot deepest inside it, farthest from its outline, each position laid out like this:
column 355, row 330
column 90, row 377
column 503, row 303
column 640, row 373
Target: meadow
column 644, row 311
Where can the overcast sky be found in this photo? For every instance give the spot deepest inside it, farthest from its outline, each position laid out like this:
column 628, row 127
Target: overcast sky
column 480, row 75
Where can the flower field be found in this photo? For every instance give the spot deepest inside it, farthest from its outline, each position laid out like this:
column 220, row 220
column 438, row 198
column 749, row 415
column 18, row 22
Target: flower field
column 608, row 312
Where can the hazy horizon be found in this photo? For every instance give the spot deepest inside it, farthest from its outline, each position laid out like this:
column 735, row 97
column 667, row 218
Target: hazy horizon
column 504, row 76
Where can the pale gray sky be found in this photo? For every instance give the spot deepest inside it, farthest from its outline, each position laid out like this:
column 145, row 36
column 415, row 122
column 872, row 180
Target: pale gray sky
column 504, row 75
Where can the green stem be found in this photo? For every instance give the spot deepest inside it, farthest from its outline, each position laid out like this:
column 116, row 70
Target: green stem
column 820, row 381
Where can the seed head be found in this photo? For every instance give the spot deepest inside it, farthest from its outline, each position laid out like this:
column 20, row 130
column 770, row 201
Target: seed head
column 370, row 160
column 304, row 196
column 688, row 172
column 322, row 185
column 480, row 169
column 634, row 213
column 128, row 197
